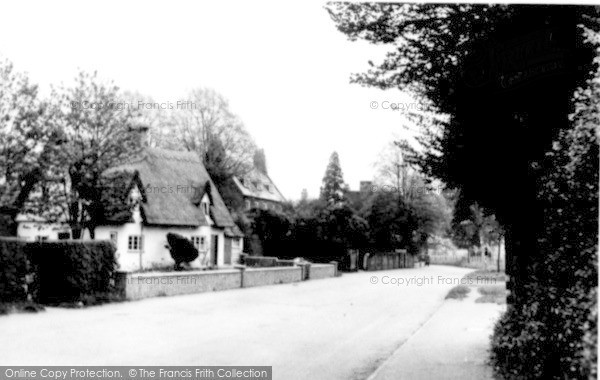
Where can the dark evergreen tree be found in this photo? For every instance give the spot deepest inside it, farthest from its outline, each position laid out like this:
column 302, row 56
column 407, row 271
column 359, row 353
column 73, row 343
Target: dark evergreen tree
column 334, row 188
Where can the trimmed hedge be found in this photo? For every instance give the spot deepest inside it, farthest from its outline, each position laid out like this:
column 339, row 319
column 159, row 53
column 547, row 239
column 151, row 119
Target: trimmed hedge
column 182, row 249
column 71, row 271
column 14, row 268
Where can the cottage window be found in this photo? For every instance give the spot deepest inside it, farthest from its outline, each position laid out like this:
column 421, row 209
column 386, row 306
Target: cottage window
column 134, row 243
column 236, row 242
column 205, row 207
column 41, row 238
column 199, row 242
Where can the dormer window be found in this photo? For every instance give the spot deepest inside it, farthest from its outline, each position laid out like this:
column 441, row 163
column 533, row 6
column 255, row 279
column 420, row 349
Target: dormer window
column 205, row 206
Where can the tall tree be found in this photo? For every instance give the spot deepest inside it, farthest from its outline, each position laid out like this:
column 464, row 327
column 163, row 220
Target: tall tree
column 206, row 125
column 24, row 142
column 492, row 72
column 333, row 188
column 97, row 135
column 503, row 79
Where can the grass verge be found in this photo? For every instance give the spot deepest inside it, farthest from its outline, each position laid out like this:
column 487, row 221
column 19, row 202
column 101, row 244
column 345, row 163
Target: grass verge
column 458, row 292
column 492, row 294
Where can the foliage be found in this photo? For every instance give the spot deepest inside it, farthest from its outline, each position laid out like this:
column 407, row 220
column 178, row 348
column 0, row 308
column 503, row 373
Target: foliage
column 71, row 271
column 182, row 250
column 209, row 128
column 497, row 83
column 561, row 313
column 430, row 209
column 333, row 188
column 116, row 205
column 391, row 222
column 272, row 228
column 96, row 135
column 453, row 59
column 14, row 268
column 26, row 140
column 475, row 227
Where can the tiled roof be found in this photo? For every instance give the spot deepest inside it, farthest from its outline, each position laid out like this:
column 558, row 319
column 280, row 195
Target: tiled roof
column 257, row 184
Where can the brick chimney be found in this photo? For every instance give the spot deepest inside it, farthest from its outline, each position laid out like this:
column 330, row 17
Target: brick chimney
column 366, row 187
column 142, row 131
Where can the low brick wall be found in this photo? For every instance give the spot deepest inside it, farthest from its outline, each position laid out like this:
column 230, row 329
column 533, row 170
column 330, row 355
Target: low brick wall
column 134, row 286
column 318, row 271
column 270, row 276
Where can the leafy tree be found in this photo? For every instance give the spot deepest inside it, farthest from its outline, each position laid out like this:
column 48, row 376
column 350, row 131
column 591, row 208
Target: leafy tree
column 272, row 229
column 333, row 188
column 24, row 135
column 473, row 68
column 96, row 135
column 391, row 222
column 497, row 84
column 398, row 174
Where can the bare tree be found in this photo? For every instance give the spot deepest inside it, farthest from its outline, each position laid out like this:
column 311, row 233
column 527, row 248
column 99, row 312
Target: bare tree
column 206, row 125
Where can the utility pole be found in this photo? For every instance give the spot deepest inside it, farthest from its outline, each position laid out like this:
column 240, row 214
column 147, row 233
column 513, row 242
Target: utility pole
column 499, row 246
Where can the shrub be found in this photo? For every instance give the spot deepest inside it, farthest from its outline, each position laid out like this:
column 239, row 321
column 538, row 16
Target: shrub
column 14, row 269
column 70, row 271
column 553, row 333
column 182, row 250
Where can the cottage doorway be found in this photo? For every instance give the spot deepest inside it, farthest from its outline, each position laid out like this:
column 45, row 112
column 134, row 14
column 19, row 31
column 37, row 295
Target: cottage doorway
column 215, row 249
column 227, row 259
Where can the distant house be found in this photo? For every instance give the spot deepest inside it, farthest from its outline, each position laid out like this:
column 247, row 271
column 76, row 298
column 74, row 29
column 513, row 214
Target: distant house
column 160, row 191
column 258, row 189
column 356, row 199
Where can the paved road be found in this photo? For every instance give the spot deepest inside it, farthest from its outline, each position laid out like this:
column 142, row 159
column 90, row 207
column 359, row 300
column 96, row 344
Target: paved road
column 452, row 345
column 339, row 328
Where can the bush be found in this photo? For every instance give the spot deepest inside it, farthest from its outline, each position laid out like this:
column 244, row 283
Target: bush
column 71, row 271
column 182, row 250
column 553, row 333
column 14, row 265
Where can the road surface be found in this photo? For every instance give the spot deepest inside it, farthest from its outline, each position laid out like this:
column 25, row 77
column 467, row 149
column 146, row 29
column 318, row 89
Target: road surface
column 338, row 328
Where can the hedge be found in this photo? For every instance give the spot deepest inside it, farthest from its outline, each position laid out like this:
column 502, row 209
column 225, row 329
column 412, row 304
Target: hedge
column 182, row 249
column 14, row 269
column 71, row 271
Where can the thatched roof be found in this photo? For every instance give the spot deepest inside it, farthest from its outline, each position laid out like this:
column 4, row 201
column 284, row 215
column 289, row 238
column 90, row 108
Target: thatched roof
column 173, row 183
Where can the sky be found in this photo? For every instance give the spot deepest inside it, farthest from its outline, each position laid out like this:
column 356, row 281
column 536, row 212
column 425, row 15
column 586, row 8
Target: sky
column 283, row 66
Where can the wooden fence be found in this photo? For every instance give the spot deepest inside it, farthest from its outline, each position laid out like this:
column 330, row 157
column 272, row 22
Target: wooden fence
column 388, row 260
